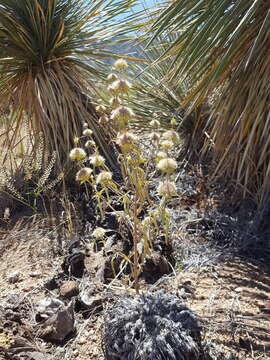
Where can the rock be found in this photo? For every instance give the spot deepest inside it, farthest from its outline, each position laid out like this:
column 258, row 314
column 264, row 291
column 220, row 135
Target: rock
column 183, row 294
column 91, row 303
column 155, row 267
column 90, row 300
column 110, row 222
column 13, row 277
column 69, row 289
column 55, row 282
column 185, row 290
column 59, row 325
column 238, row 289
column 108, row 268
column 46, row 308
column 73, row 264
column 75, row 244
column 108, row 245
column 35, row 274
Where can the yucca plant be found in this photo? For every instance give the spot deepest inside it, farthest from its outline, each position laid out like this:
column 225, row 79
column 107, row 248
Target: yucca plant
column 159, row 96
column 153, row 91
column 50, row 63
column 224, row 45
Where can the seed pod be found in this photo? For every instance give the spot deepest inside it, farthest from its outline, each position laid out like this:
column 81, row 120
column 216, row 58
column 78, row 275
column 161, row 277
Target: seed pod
column 77, row 154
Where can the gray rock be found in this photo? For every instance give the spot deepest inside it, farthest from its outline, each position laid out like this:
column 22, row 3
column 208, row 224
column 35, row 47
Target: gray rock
column 69, row 289
column 59, row 325
column 46, row 308
column 91, row 302
column 13, row 277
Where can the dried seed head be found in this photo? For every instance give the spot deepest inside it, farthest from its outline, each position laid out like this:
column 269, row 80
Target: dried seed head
column 154, row 136
column 103, row 120
column 122, row 114
column 124, row 86
column 120, row 87
column 90, row 144
column 77, row 154
column 167, row 189
column 87, row 132
column 112, row 90
column 99, row 233
column 115, row 102
column 155, row 124
column 171, row 135
column 167, row 165
column 161, row 155
column 173, row 122
column 101, row 109
column 83, row 175
column 167, row 144
column 112, row 77
column 126, row 138
column 121, row 64
column 97, row 160
column 105, row 177
column 85, row 125
column 76, row 140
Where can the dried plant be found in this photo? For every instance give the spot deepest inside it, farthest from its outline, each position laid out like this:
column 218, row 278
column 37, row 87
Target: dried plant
column 133, row 194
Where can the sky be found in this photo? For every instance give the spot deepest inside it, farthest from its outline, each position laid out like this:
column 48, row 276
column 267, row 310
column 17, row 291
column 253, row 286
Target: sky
column 143, row 4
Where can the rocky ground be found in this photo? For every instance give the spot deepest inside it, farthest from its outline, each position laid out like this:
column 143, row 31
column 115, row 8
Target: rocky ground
column 54, row 294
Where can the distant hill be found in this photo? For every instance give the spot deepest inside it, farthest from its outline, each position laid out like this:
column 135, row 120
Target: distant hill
column 127, row 48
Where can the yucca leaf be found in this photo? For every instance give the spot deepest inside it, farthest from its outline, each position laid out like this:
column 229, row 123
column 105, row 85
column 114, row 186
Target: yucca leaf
column 224, row 45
